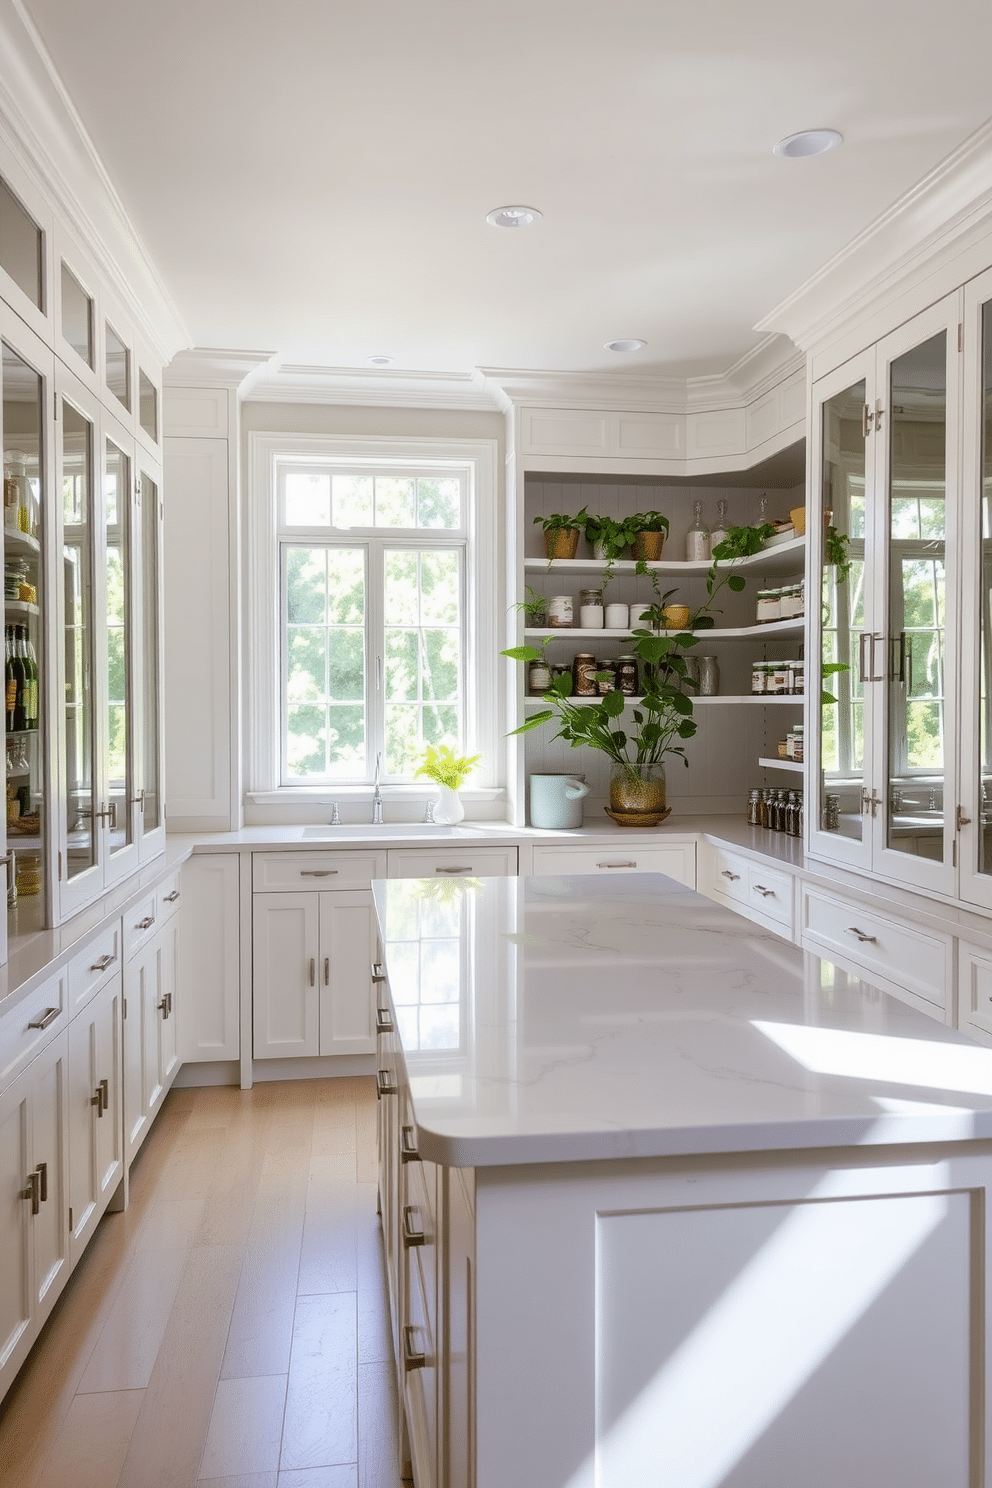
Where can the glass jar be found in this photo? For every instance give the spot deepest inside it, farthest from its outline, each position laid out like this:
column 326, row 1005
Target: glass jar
column 560, row 671
column 584, row 675
column 560, row 612
column 28, row 874
column 754, row 807
column 796, row 744
column 616, row 617
column 767, row 606
column 697, row 539
column 721, row 531
column 799, row 677
column 538, row 677
column 606, row 680
column 791, row 602
column 758, row 676
column 591, row 609
column 637, row 790
column 831, row 814
column 709, row 676
column 626, row 675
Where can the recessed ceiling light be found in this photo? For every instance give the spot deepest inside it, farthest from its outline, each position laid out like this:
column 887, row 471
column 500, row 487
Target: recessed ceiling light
column 513, row 216
column 380, row 361
column 626, row 343
column 808, row 142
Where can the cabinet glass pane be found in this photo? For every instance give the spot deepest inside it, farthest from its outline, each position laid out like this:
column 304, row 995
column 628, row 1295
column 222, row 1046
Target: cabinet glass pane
column 151, row 811
column 843, row 600
column 119, row 768
column 118, row 367
column 23, row 601
column 20, row 246
column 77, row 583
column 77, row 316
column 147, row 404
column 985, row 603
column 916, row 605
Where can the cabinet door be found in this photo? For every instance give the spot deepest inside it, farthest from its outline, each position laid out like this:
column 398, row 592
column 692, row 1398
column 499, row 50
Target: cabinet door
column 285, row 995
column 166, row 1006
column 95, row 1128
column 50, row 1230
column 347, row 950
column 142, row 1085
column 119, row 661
column 15, row 1225
column 210, row 958
column 149, row 825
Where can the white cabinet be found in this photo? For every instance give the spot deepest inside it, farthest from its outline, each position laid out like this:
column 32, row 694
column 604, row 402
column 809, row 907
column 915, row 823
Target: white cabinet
column 764, row 893
column 151, row 1049
column 210, row 974
column 95, row 1115
column 470, row 861
column 34, row 1238
column 676, row 859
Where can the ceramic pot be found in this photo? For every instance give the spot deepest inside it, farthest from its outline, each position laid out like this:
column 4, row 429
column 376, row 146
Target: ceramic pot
column 449, row 810
column 648, row 545
column 556, row 801
column 637, row 788
column 562, row 544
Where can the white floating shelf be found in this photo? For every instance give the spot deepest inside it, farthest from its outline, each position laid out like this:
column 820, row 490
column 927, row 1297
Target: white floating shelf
column 20, row 607
column 534, row 704
column 783, row 558
column 780, row 764
column 738, row 633
column 15, row 541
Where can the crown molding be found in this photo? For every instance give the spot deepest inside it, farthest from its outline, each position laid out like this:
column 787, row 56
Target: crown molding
column 39, row 123
column 384, row 387
column 927, row 224
column 206, row 366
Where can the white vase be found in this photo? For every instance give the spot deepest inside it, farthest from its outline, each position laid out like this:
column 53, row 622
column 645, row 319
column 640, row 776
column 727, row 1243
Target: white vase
column 449, row 810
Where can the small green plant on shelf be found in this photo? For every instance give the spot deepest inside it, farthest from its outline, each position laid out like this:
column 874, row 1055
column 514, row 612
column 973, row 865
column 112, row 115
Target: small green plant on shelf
column 836, row 551
column 561, row 533
column 612, row 537
column 534, row 607
column 444, row 767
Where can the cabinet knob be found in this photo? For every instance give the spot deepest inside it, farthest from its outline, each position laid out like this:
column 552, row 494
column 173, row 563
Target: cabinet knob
column 105, row 1084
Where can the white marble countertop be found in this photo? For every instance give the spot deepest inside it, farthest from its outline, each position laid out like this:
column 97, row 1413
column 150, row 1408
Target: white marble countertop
column 566, row 1019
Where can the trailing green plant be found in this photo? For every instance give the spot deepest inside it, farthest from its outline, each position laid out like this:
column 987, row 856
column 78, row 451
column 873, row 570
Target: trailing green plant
column 651, row 521
column 562, row 522
column 443, row 766
column 615, row 535
column 836, row 551
column 830, row 669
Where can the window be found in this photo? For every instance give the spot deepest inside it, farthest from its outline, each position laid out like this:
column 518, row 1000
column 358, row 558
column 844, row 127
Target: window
column 374, row 630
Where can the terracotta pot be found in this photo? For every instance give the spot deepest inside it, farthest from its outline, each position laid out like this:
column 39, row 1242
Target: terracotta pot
column 676, row 617
column 648, row 545
column 563, row 544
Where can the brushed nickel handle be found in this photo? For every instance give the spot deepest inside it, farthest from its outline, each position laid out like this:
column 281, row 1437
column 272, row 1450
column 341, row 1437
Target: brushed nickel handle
column 413, row 1234
column 318, row 873
column 760, row 889
column 33, row 1192
column 853, row 930
column 378, row 975
column 327, row 971
column 42, row 1171
column 412, row 1357
column 103, row 963
column 726, row 873
column 48, row 1017
column 96, row 1099
column 616, row 865
column 453, row 870
column 105, row 1093
column 408, row 1145
column 383, row 1022
column 313, row 972
column 163, row 1007
column 171, row 898
column 383, row 1085
column 146, row 923
column 962, row 820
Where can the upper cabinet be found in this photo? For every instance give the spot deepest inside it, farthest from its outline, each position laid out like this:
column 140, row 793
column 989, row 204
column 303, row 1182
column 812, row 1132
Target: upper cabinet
column 886, row 559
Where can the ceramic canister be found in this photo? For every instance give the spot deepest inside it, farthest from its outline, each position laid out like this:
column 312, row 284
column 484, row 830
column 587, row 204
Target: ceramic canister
column 556, row 801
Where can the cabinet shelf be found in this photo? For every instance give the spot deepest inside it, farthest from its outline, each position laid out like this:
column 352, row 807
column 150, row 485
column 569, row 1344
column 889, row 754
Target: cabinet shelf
column 15, row 541
column 746, row 699
column 793, row 766
column 784, row 558
column 20, row 607
column 734, row 633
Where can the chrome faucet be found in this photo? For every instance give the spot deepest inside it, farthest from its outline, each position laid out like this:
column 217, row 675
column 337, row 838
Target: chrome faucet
column 377, row 795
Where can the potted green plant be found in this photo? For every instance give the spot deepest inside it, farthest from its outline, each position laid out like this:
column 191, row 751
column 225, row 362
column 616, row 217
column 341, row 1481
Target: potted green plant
column 449, row 771
column 649, row 537
column 609, row 538
column 534, row 608
column 561, row 533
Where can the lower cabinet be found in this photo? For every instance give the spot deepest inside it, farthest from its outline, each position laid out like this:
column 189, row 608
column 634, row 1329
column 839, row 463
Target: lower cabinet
column 151, row 1048
column 96, row 1157
column 759, row 890
column 676, row 859
column 311, row 959
column 34, row 1233
column 210, row 964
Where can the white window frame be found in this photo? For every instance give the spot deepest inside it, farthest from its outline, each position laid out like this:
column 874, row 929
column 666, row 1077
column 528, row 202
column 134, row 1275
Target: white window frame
column 484, row 719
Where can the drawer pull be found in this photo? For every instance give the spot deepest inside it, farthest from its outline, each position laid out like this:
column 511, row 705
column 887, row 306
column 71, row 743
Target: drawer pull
column 378, row 975
column 760, row 889
column 383, row 1022
column 105, row 1093
column 616, row 865
column 171, row 898
column 383, row 1085
column 327, row 971
column 103, row 963
column 853, row 930
column 33, row 1192
column 96, row 1099
column 146, row 923
column 313, row 972
column 408, row 1146
column 47, row 1018
column 165, row 1006
column 412, row 1358
column 412, row 1233
column 318, row 873
column 453, row 870
column 726, row 873
column 42, row 1171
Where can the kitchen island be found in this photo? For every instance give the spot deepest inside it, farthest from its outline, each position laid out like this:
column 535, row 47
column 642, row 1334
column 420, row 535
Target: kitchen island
column 668, row 1201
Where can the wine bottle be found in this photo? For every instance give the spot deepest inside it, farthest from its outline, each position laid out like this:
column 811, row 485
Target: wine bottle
column 10, row 678
column 32, row 661
column 18, row 718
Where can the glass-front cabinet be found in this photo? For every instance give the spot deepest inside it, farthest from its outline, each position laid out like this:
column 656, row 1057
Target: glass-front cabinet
column 884, row 739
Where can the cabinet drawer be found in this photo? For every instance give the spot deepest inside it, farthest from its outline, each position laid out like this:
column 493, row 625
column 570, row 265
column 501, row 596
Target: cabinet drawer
column 884, row 949
column 285, row 872
column 167, row 897
column 727, row 874
column 770, row 892
column 677, row 859
column 468, row 861
column 140, row 923
column 26, row 1027
column 90, row 968
column 975, row 991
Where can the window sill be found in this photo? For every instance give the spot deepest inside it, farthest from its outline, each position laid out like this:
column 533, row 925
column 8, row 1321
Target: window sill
column 305, row 795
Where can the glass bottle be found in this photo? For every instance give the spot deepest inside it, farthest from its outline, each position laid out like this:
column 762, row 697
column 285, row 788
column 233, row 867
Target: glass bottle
column 10, row 679
column 721, row 531
column 697, row 539
column 26, row 653
column 17, row 717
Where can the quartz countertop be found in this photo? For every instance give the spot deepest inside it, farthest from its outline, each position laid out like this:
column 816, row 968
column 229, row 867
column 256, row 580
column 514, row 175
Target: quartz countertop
column 568, row 1019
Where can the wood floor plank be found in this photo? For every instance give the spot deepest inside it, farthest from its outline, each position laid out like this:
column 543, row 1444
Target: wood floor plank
column 374, row 1333
column 242, row 1480
column 171, row 1429
column 321, row 1477
column 245, row 1430
column 128, row 1346
column 327, row 1258
column 91, row 1446
column 321, row 1427
column 378, row 1459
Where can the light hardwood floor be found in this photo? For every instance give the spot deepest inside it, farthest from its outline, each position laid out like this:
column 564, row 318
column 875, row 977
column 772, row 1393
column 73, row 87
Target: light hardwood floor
column 231, row 1328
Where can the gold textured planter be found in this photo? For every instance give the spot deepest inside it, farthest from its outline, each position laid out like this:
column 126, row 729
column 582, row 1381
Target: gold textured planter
column 676, row 617
column 648, row 545
column 562, row 544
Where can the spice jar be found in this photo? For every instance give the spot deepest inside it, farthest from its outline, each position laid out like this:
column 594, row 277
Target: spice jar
column 626, row 675
column 758, row 670
column 791, row 602
column 538, row 677
column 591, row 609
column 831, row 814
column 584, row 675
column 754, row 807
column 799, row 677
column 606, row 681
column 560, row 611
column 768, row 606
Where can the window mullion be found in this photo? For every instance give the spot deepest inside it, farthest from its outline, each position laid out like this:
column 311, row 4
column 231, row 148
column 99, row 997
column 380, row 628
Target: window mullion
column 375, row 663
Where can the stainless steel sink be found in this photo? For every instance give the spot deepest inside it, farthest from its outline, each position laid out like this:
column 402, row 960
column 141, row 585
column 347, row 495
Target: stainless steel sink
column 369, row 831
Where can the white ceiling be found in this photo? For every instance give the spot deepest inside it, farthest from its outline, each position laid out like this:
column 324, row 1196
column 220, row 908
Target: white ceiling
column 312, row 176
